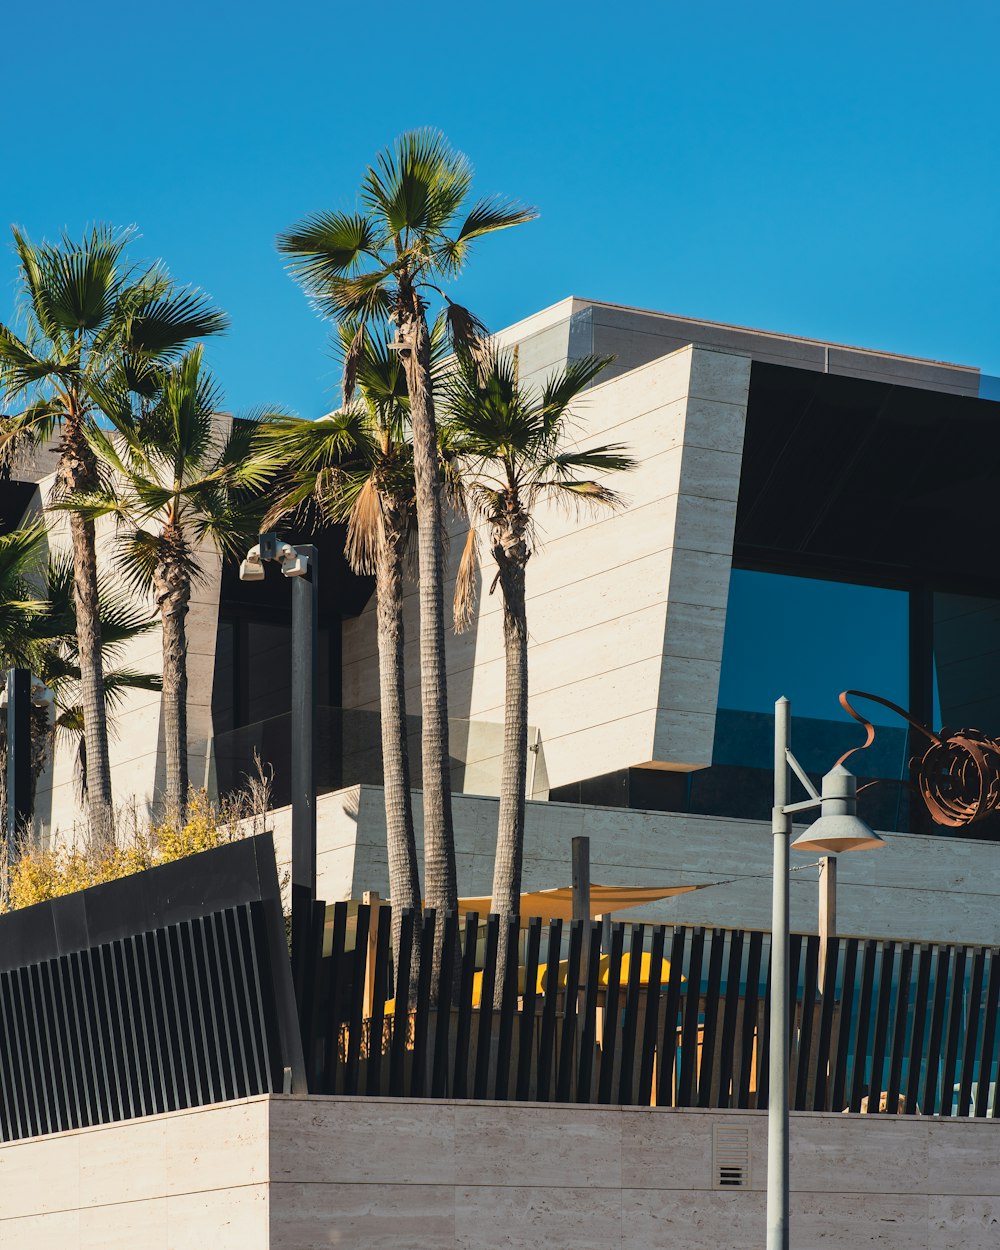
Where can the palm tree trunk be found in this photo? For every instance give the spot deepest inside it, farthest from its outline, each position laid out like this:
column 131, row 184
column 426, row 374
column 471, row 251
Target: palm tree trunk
column 511, row 556
column 173, row 593
column 77, row 471
column 440, row 876
column 401, row 843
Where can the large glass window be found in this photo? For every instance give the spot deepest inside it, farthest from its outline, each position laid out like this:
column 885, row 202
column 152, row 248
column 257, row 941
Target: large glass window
column 967, row 663
column 809, row 640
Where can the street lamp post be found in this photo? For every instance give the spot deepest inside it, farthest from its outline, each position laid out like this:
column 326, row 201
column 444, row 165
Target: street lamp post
column 838, row 829
column 298, row 563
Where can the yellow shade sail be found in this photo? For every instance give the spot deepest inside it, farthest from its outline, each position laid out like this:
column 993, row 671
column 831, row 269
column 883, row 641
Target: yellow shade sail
column 557, row 903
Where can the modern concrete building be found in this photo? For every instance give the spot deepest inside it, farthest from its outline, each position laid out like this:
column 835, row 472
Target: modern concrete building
column 804, row 518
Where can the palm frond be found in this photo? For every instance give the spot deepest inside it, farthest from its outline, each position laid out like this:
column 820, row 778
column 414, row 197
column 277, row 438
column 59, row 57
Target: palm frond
column 418, row 184
column 365, row 530
column 466, row 583
column 163, row 322
column 328, row 245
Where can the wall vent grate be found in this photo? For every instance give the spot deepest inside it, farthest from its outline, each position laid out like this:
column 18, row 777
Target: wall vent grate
column 731, row 1156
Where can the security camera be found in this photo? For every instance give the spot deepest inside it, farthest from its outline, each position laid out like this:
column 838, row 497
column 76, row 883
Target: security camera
column 295, row 565
column 252, row 570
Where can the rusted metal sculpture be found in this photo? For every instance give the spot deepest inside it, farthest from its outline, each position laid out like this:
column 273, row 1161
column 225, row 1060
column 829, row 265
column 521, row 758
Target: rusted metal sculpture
column 958, row 775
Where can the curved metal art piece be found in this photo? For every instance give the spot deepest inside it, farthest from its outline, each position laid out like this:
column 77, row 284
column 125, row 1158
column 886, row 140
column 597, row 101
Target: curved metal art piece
column 958, row 775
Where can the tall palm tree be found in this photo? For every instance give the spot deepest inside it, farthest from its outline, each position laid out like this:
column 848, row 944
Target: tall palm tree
column 384, row 264
column 176, row 478
column 87, row 312
column 513, row 449
column 355, row 466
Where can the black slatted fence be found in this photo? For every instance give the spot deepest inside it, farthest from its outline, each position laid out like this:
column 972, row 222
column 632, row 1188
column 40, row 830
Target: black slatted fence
column 165, row 990
column 889, row 1026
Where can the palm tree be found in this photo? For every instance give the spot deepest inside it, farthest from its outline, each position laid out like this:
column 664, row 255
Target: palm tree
column 512, row 450
column 86, row 313
column 176, row 480
column 356, row 467
column 379, row 265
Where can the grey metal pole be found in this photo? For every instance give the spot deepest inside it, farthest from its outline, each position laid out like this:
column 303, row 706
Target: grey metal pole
column 305, row 626
column 777, row 1104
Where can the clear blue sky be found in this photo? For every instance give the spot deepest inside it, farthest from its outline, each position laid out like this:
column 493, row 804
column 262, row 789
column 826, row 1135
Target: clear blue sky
column 828, row 170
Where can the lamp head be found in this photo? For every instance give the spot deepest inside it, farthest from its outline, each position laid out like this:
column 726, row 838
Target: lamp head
column 839, row 827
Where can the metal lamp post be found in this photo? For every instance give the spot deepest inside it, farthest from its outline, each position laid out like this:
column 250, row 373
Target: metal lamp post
column 298, row 563
column 839, row 828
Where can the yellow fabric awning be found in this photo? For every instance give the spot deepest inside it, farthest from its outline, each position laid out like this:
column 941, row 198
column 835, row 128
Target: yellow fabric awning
column 557, row 903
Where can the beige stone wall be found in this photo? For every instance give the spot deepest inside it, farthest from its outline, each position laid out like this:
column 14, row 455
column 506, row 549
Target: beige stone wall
column 626, row 609
column 930, row 889
column 186, row 1181
column 369, row 1174
column 374, row 1174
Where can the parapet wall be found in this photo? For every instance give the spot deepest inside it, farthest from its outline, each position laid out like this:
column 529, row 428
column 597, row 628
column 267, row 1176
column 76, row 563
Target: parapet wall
column 298, row 1174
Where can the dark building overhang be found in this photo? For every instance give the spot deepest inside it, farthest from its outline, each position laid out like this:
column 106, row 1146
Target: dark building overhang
column 860, row 480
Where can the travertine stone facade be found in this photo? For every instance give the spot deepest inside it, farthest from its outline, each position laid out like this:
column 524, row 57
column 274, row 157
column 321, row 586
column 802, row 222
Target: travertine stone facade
column 370, row 1174
column 626, row 609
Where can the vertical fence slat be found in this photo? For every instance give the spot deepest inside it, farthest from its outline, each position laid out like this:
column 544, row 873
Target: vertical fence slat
column 838, row 1094
column 508, row 1012
column 803, row 1054
column 421, row 1018
column 824, row 1041
column 955, row 1021
column 355, row 1022
column 971, row 1032
column 748, row 1031
column 612, row 1021
column 887, row 968
column 644, row 1093
column 567, row 1046
column 920, row 1004
column 335, row 976
column 667, row 1057
column 525, row 1052
column 591, row 991
column 637, row 940
column 401, row 1005
column 864, row 1025
column 380, row 982
column 463, row 1029
column 941, row 974
column 547, row 1039
column 899, row 1028
column 445, row 997
column 485, row 1041
column 687, row 1076
column 711, row 1017
column 989, row 1038
column 727, row 1075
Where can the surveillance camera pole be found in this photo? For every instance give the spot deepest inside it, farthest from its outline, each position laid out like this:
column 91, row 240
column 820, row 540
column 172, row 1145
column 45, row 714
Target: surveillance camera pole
column 298, row 564
column 305, row 626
